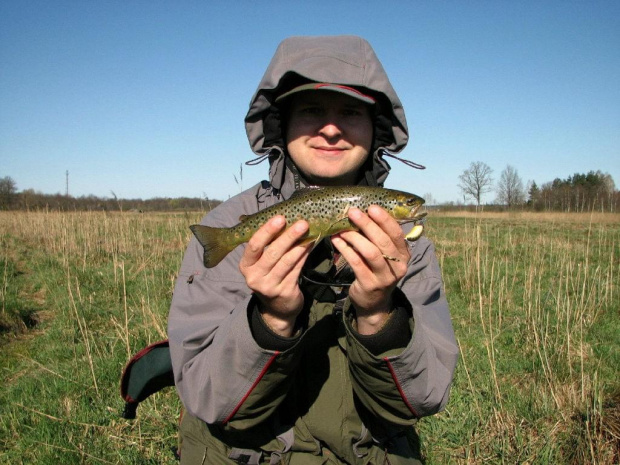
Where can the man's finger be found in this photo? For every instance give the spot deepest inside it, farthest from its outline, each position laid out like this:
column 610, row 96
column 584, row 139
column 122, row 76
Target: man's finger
column 269, row 244
column 390, row 226
column 261, row 239
column 374, row 231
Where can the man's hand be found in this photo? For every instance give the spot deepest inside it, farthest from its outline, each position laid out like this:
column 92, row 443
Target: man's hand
column 378, row 255
column 271, row 265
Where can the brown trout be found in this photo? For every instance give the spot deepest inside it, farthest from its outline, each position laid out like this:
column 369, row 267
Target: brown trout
column 324, row 208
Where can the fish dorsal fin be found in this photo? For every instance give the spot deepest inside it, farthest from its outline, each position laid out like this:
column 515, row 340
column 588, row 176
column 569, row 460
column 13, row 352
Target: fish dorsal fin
column 242, row 217
column 305, row 190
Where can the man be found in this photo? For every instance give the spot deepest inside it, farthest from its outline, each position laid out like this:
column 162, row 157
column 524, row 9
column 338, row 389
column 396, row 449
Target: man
column 281, row 353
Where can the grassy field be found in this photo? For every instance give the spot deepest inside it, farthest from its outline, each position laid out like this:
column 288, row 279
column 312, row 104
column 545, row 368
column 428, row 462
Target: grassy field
column 535, row 300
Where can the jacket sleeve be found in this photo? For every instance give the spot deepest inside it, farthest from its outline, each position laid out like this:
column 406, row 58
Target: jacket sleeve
column 404, row 384
column 218, row 366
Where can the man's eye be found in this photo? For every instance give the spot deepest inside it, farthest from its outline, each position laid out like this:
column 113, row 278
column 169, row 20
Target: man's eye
column 311, row 111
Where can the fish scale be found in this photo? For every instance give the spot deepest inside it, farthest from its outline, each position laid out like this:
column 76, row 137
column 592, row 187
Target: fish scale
column 324, row 208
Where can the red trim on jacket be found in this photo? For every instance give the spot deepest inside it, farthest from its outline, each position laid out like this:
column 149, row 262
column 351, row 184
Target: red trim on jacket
column 400, row 389
column 130, row 363
column 247, row 394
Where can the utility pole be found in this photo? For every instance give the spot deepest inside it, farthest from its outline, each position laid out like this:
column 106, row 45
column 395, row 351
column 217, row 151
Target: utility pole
column 67, row 184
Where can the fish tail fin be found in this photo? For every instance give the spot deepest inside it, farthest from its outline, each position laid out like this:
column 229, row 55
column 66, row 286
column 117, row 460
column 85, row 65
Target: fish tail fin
column 212, row 240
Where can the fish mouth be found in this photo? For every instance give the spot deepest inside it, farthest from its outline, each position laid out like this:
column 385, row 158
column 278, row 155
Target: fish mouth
column 418, row 218
column 415, row 216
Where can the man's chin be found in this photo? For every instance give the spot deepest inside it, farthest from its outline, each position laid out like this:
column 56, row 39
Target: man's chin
column 332, row 180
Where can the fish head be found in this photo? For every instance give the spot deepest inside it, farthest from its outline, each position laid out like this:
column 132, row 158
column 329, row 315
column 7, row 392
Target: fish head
column 406, row 208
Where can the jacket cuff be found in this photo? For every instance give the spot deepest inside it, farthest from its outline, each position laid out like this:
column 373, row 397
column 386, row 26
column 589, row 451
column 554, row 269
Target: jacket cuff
column 264, row 336
column 395, row 334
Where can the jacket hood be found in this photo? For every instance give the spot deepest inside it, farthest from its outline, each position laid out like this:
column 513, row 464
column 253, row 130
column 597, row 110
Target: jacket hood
column 346, row 60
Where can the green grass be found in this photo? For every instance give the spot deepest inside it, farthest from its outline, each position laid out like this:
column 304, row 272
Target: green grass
column 535, row 302
column 535, row 308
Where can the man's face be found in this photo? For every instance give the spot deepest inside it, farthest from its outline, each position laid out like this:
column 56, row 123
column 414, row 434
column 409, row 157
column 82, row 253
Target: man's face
column 329, row 136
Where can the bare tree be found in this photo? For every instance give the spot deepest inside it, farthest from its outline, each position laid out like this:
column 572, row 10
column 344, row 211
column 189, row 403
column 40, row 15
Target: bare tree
column 476, row 181
column 510, row 188
column 429, row 199
column 609, row 188
column 8, row 189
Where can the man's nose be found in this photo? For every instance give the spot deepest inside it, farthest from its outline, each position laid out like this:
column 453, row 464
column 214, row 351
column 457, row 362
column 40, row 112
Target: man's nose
column 330, row 129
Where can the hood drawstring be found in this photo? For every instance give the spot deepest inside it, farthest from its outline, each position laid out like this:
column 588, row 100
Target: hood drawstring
column 296, row 175
column 409, row 163
column 368, row 175
column 412, row 164
column 258, row 160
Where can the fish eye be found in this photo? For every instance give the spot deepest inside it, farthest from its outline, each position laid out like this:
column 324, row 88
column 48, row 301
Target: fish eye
column 411, row 201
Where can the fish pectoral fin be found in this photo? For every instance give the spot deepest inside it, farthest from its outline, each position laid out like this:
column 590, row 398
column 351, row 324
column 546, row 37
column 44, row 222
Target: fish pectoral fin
column 311, row 240
column 345, row 213
column 341, row 223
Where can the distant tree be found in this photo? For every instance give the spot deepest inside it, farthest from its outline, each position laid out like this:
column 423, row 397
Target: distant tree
column 429, row 199
column 608, row 182
column 580, row 192
column 8, row 189
column 533, row 195
column 476, row 181
column 609, row 191
column 510, row 188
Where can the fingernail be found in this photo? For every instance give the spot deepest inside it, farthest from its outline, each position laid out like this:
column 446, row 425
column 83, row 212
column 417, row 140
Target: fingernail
column 374, row 209
column 278, row 221
column 355, row 213
column 300, row 226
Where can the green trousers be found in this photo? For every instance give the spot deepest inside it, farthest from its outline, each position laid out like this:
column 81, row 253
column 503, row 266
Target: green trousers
column 198, row 446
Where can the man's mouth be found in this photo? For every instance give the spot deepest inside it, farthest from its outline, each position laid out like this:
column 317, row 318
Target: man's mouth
column 330, row 150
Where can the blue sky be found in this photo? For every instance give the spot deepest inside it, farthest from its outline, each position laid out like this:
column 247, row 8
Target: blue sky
column 147, row 98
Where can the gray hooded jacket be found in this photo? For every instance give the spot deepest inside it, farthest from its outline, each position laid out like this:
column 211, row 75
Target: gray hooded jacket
column 329, row 387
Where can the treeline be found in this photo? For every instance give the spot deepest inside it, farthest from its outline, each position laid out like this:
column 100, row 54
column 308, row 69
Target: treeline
column 31, row 200
column 594, row 191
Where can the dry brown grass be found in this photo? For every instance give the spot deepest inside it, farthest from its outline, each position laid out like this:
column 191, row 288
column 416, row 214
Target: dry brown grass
column 558, row 217
column 534, row 299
